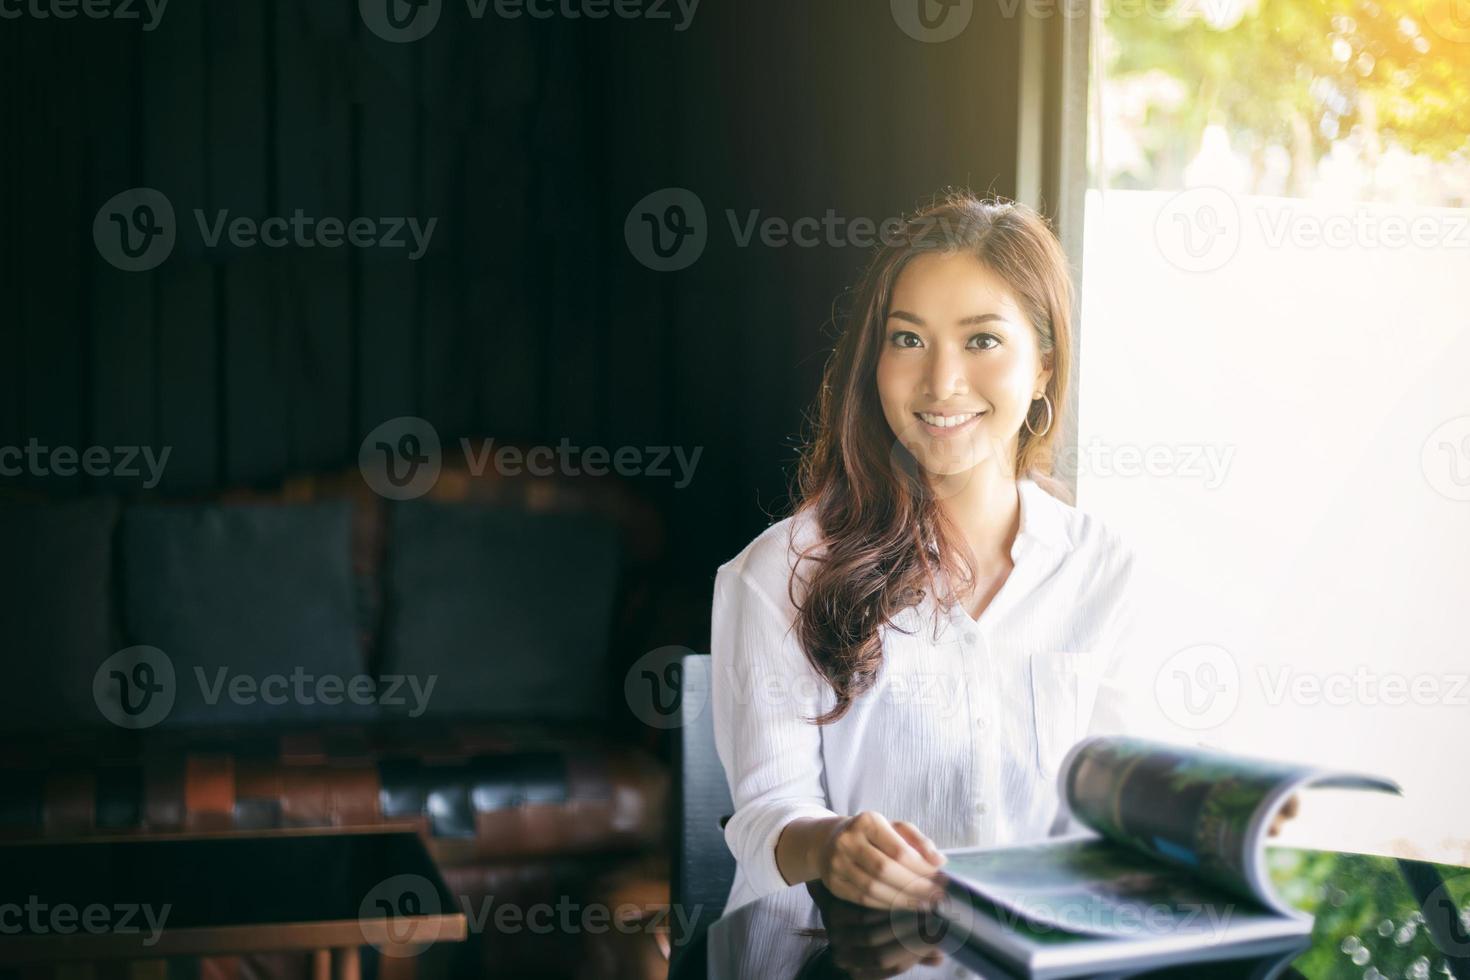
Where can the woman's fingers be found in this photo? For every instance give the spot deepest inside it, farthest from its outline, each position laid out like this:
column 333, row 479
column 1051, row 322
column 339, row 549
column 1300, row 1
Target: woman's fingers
column 864, row 891
column 877, row 864
column 893, row 846
column 873, row 863
column 920, row 842
column 908, row 868
column 1287, row 811
column 877, row 894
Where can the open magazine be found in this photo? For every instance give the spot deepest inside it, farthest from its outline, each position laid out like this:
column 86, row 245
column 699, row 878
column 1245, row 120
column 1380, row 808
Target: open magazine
column 1168, row 864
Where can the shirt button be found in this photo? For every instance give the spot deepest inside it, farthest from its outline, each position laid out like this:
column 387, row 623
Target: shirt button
column 980, row 808
column 980, row 724
column 970, row 637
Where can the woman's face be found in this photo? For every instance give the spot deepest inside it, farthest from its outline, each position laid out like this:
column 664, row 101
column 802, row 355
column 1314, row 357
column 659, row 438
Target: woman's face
column 959, row 364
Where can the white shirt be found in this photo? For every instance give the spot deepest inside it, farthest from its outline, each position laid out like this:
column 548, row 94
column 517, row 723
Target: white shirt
column 966, row 724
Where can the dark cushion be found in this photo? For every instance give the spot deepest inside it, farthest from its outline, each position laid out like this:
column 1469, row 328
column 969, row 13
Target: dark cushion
column 251, row 595
column 510, row 610
column 55, row 610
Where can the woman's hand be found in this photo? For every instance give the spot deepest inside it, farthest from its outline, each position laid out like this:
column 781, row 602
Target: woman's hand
column 869, row 861
column 1287, row 811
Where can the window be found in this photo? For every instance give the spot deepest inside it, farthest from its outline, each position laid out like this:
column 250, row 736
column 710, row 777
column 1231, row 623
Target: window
column 1274, row 402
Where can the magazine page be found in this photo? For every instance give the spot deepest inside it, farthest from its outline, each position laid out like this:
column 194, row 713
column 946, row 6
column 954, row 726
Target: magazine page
column 1241, row 947
column 1199, row 809
column 1176, row 843
column 1089, row 885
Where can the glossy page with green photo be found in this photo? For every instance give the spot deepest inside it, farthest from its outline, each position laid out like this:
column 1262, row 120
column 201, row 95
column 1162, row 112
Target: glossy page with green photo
column 1172, row 843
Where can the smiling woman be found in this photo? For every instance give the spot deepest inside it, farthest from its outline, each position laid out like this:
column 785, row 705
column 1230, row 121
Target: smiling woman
column 969, row 316
column 939, row 557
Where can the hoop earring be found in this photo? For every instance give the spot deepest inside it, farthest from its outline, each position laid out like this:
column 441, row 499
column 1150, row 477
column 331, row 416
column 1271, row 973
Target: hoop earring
column 1047, row 428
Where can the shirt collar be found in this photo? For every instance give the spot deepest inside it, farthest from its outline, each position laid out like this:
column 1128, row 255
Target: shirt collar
column 1041, row 516
column 1042, row 519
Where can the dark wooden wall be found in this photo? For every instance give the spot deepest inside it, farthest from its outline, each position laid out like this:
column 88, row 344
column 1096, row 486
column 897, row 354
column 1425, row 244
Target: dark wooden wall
column 529, row 140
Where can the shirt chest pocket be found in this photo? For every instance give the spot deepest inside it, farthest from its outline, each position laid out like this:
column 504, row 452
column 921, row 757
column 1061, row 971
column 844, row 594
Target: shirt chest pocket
column 1064, row 687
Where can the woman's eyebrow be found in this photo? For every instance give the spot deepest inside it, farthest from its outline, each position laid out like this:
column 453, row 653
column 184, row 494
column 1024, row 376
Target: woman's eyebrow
column 968, row 321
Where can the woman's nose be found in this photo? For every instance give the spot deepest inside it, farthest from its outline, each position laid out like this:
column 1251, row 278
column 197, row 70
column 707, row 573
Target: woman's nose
column 946, row 374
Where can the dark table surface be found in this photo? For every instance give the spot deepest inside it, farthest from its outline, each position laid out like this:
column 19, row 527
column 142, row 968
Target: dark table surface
column 213, row 894
column 1376, row 917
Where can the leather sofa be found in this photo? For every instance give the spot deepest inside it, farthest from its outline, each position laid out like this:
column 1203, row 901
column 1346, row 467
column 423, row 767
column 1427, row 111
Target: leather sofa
column 525, row 598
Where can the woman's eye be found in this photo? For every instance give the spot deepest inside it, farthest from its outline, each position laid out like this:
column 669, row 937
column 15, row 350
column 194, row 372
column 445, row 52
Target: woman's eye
column 909, row 339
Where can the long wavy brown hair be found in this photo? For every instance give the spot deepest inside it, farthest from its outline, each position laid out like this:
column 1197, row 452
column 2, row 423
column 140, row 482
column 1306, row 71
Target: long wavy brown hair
column 884, row 533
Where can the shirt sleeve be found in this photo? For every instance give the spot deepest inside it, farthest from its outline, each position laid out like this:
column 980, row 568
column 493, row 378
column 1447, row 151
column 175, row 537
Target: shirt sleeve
column 763, row 690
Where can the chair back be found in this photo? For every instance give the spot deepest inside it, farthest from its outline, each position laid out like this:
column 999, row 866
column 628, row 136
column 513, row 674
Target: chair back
column 703, row 865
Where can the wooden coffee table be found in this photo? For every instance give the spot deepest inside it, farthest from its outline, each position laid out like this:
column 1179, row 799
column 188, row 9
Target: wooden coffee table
column 327, row 892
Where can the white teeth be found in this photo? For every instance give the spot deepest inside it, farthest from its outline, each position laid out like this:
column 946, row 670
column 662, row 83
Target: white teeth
column 947, row 421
